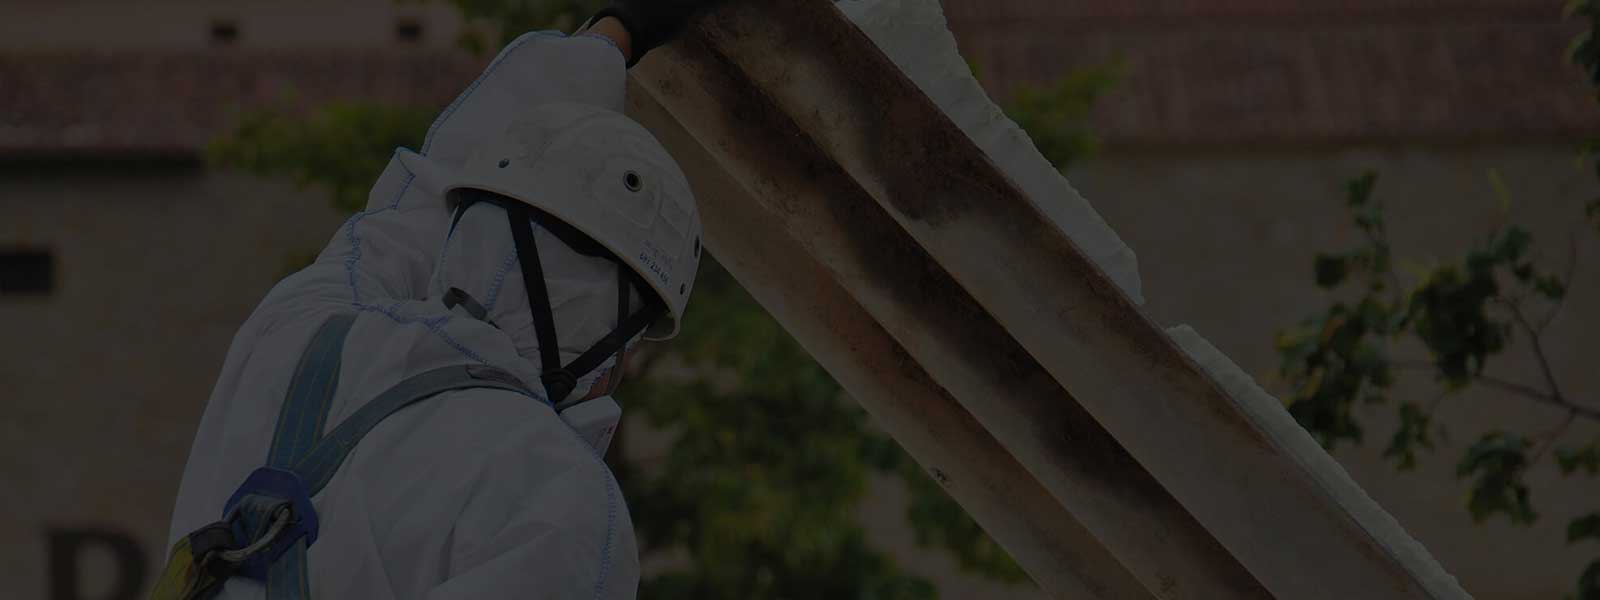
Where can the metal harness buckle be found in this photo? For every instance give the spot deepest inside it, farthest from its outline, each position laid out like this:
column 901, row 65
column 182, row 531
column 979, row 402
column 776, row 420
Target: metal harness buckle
column 280, row 520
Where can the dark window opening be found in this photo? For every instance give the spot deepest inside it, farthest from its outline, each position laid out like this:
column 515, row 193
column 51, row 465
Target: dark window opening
column 27, row 272
column 224, row 31
column 408, row 31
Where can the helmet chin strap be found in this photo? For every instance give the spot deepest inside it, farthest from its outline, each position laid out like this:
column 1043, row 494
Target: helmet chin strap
column 559, row 380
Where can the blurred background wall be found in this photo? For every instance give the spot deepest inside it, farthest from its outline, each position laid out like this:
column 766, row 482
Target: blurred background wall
column 128, row 264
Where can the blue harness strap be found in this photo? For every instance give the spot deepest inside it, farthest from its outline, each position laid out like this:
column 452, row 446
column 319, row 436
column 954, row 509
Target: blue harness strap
column 300, row 420
column 272, row 509
column 318, row 465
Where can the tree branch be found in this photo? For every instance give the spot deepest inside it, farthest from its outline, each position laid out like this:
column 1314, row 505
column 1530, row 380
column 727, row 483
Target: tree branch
column 1380, row 242
column 1566, row 281
column 1541, row 396
column 1526, row 391
column 1553, row 435
column 1434, row 406
column 1538, row 352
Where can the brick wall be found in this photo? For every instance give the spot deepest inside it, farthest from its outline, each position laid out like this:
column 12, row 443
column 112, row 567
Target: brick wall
column 1200, row 73
column 175, row 101
column 1237, row 11
column 1259, row 72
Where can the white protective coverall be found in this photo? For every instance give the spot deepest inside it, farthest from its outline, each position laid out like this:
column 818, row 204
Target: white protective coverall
column 477, row 493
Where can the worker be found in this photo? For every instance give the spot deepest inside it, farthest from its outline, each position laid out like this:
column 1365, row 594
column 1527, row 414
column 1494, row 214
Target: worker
column 423, row 411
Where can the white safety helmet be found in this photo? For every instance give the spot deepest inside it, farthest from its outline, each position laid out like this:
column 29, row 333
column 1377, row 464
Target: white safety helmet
column 607, row 177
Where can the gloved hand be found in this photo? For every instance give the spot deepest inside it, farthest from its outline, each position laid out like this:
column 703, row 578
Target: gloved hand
column 651, row 23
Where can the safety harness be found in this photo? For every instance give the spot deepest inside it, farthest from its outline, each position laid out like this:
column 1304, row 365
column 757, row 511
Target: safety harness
column 269, row 521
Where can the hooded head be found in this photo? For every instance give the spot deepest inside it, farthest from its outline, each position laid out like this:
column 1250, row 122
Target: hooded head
column 574, row 203
column 480, row 258
column 604, row 176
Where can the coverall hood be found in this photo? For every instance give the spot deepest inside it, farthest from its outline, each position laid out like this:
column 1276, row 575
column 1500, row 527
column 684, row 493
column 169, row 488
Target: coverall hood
column 480, row 259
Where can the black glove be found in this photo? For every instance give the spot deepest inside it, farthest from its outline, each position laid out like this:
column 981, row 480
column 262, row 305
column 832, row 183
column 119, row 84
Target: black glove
column 651, row 23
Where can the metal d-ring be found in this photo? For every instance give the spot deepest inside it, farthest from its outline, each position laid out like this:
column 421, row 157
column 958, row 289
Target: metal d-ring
column 280, row 520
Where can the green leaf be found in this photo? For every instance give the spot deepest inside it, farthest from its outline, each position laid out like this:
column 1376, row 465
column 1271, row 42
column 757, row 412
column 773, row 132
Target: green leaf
column 1496, row 463
column 1449, row 314
column 1501, row 193
column 1585, row 458
column 1524, row 272
column 880, row 452
column 1374, row 314
column 1056, row 116
column 1330, row 270
column 1411, row 435
column 1368, row 217
column 1589, row 582
column 1359, row 190
column 1382, row 264
column 1511, row 244
column 473, row 42
column 1585, row 527
column 1583, row 51
column 1550, row 287
column 1592, row 210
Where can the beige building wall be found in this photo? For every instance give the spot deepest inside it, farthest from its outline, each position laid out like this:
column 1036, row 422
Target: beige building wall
column 103, row 379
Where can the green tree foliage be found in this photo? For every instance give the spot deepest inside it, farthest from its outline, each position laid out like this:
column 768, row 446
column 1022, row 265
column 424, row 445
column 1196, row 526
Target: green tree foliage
column 1495, row 299
column 1056, row 115
column 756, row 493
column 1463, row 314
column 492, row 23
column 1586, row 54
column 339, row 147
column 766, row 465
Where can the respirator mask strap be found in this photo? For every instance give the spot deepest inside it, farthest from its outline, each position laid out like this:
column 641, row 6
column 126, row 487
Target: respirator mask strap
column 559, row 381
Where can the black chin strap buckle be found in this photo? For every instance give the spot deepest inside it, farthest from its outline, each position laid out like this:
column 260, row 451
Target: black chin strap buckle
column 558, row 383
column 457, row 297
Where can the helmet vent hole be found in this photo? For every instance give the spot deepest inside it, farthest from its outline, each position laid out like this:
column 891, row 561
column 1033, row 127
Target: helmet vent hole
column 632, row 181
column 682, row 288
column 697, row 247
column 504, row 162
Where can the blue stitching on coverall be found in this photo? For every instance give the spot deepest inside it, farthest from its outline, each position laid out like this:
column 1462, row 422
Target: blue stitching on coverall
column 611, row 512
column 500, row 279
column 611, row 528
column 436, row 326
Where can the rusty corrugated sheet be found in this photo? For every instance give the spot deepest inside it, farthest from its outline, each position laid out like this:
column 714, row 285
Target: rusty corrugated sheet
column 933, row 328
column 756, row 247
column 883, row 201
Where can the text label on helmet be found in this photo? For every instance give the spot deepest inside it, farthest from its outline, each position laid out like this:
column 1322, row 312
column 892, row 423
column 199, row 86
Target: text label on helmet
column 649, row 262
